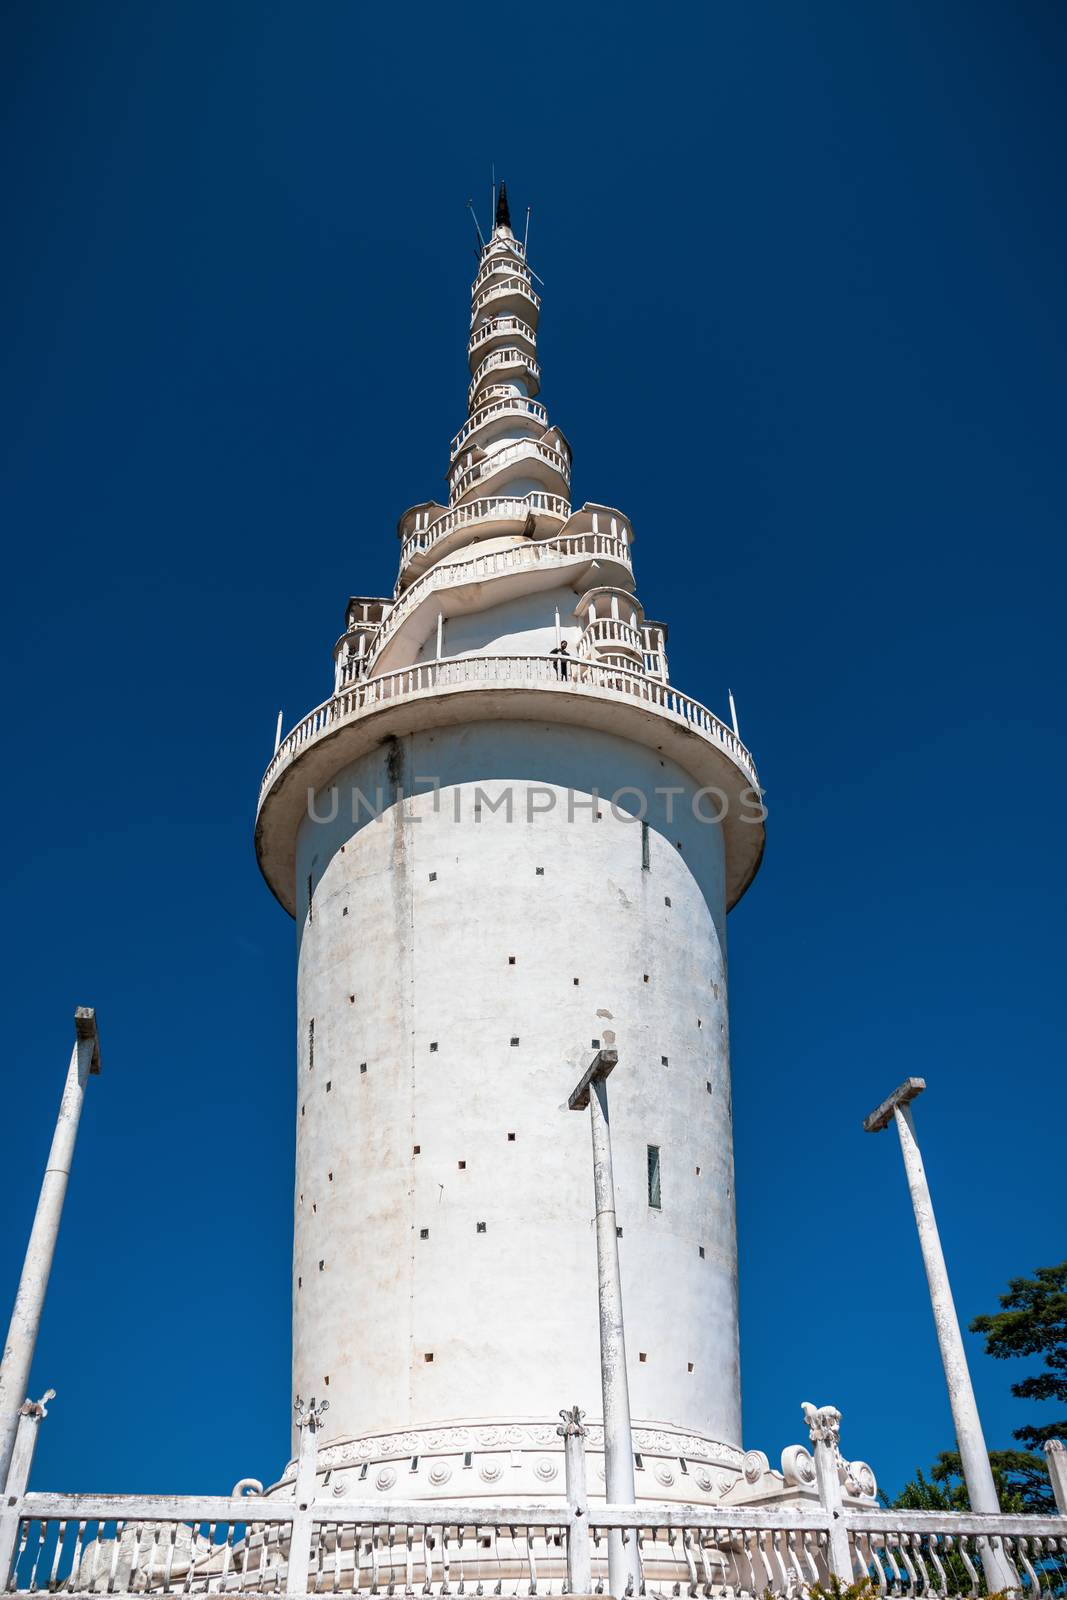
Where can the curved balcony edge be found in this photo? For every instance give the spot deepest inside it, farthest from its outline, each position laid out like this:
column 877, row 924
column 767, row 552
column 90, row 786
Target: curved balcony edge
column 462, row 689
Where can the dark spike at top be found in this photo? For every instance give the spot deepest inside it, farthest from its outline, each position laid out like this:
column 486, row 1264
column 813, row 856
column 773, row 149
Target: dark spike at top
column 503, row 215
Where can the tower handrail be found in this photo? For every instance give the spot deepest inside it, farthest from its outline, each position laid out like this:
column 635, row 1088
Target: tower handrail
column 454, row 574
column 507, row 402
column 519, row 671
column 516, row 451
column 473, row 511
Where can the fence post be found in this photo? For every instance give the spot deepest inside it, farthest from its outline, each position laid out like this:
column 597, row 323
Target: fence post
column 308, row 1422
column 1056, row 1461
column 18, row 1476
column 824, row 1426
column 579, row 1570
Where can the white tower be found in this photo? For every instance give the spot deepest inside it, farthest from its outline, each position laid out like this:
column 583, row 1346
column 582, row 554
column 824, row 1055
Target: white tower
column 460, row 954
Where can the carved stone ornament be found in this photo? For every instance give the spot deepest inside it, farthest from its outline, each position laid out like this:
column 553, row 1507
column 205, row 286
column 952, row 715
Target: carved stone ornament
column 798, row 1466
column 546, row 1469
column 754, row 1466
column 440, row 1472
column 386, row 1478
column 490, row 1471
column 571, row 1425
column 824, row 1424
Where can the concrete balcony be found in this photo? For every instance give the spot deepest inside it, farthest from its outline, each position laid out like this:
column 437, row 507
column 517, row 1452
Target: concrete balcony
column 503, row 260
column 500, row 405
column 524, row 687
column 512, row 294
column 511, row 360
column 500, row 332
column 537, row 514
column 458, row 586
column 528, row 458
column 611, row 637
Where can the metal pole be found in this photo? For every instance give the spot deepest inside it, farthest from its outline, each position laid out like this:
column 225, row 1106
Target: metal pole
column 970, row 1440
column 624, row 1576
column 37, row 1264
column 579, row 1568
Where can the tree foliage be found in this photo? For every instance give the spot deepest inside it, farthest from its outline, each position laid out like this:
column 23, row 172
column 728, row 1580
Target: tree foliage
column 1021, row 1480
column 1033, row 1322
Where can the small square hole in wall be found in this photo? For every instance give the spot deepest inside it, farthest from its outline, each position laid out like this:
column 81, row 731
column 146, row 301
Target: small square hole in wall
column 677, row 844
column 329, row 1177
column 351, row 999
column 314, row 1205
column 461, row 1165
column 701, row 1252
column 424, row 1233
column 479, row 1227
column 326, row 1380
column 329, row 1085
column 699, row 1023
column 433, row 877
column 666, row 899
column 595, row 1043
column 690, row 1366
column 416, row 1149
column 708, row 1087
column 642, row 1356
column 539, row 872
column 363, row 1066
column 577, row 981
column 344, row 911
column 698, row 1172
column 511, row 1138
column 514, row 1039
column 646, row 977
column 511, row 961
column 433, row 1047
column 428, row 1355
column 322, row 1266
column 618, row 1230
column 663, row 1061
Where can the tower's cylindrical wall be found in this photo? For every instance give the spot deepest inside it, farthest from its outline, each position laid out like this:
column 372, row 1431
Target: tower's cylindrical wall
column 454, row 976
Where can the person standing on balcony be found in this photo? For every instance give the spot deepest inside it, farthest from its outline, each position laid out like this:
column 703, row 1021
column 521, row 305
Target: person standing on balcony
column 562, row 659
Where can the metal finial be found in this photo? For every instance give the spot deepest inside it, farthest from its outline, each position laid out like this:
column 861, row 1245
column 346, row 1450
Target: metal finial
column 503, row 214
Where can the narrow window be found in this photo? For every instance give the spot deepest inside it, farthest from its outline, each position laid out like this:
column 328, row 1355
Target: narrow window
column 653, row 1177
column 311, row 1044
column 639, row 1461
column 644, row 847
column 468, row 1458
column 311, row 901
column 363, row 1471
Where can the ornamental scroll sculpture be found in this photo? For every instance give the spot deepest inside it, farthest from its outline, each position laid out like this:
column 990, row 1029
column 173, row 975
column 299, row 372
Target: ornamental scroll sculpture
column 824, row 1427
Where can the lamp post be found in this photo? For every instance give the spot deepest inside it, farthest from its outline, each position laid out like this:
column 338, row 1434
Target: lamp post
column 37, row 1263
column 974, row 1457
column 624, row 1576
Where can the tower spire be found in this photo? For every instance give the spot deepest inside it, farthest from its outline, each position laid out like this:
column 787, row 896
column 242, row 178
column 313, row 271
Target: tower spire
column 503, row 213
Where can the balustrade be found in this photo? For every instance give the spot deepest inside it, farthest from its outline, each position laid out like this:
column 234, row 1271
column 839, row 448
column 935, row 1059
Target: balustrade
column 495, row 508
column 508, row 357
column 505, row 288
column 528, row 449
column 502, row 327
column 507, row 403
column 190, row 1545
column 584, row 546
column 518, row 671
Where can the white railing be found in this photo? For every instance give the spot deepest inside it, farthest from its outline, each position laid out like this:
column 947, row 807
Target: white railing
column 508, row 357
column 453, row 574
column 501, row 263
column 505, row 288
column 521, row 449
column 506, row 403
column 494, row 508
column 499, row 328
column 605, row 631
column 198, row 1545
column 521, row 672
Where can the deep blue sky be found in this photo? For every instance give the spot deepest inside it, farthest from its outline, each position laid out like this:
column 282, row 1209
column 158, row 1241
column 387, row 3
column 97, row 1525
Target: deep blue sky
column 804, row 322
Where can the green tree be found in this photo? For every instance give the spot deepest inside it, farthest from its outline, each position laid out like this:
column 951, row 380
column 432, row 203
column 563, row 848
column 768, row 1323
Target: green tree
column 1033, row 1322
column 1020, row 1478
